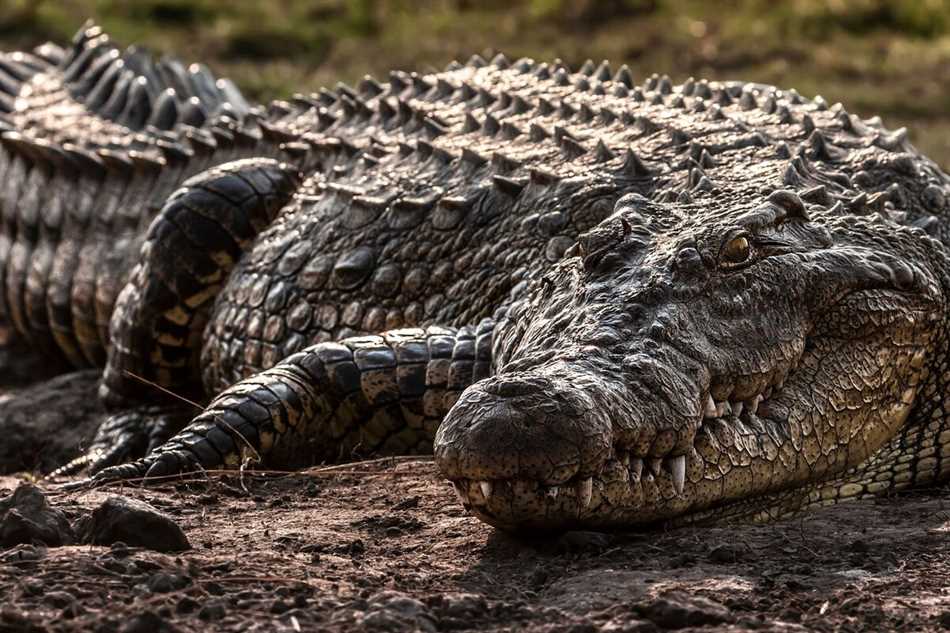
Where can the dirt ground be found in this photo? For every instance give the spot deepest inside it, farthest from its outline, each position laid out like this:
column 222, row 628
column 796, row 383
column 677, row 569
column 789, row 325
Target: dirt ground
column 385, row 546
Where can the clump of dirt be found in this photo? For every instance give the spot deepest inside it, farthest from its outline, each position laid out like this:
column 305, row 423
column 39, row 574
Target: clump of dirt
column 384, row 546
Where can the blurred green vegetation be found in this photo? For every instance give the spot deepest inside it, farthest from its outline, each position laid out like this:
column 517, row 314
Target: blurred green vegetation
column 886, row 57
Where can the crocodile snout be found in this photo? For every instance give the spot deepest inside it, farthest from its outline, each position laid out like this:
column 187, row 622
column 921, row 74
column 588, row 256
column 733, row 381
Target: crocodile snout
column 524, row 426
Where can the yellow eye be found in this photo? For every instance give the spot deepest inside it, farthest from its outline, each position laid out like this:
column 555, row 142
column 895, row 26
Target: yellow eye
column 736, row 251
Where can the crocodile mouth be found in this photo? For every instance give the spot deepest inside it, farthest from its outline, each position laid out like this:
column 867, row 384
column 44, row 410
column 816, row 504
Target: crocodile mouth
column 661, row 478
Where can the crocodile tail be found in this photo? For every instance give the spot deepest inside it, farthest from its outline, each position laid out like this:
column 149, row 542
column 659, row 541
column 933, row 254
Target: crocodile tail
column 189, row 250
column 382, row 394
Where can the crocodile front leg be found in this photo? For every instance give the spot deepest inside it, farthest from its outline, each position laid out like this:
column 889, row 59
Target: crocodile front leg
column 383, row 394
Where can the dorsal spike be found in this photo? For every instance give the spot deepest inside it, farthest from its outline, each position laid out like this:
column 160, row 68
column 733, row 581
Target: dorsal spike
column 467, row 92
column 561, row 77
column 722, row 98
column 586, row 113
column 664, row 86
column 470, row 124
column 420, row 85
column 678, row 137
column 703, row 184
column 396, row 83
column 405, row 149
column 566, row 110
column 706, row 160
column 621, row 91
column 501, row 61
column 602, row 153
column 537, row 133
column 545, row 107
column 406, row 113
column 624, row 76
column 699, row 106
column 747, row 101
column 645, row 125
column 768, row 104
column 677, row 102
column 607, row 116
column 543, row 177
column 582, row 83
column 784, row 114
column 587, row 68
column 424, row 149
column 476, row 61
column 543, row 71
column 816, row 195
column 503, row 164
column 511, row 186
column 453, row 65
column 385, row 110
column 790, row 202
column 684, row 198
column 688, row 87
column 695, row 175
column 524, row 65
column 603, row 72
column 808, row 124
column 822, row 149
column 510, row 131
column 473, row 158
column 443, row 88
column 633, row 167
column 519, row 105
column 637, row 95
column 369, row 87
column 571, row 148
column 485, row 98
column 716, row 113
column 656, row 99
column 504, row 100
column 491, row 125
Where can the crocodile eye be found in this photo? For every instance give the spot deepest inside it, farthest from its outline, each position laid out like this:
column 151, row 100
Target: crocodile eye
column 736, row 252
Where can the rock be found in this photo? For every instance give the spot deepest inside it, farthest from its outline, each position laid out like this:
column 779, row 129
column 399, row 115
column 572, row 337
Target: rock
column 135, row 523
column 59, row 599
column 163, row 582
column 677, row 610
column 395, row 611
column 148, row 622
column 26, row 517
column 213, row 611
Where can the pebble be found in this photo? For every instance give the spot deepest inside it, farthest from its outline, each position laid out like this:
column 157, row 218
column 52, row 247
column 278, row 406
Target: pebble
column 134, row 523
column 27, row 517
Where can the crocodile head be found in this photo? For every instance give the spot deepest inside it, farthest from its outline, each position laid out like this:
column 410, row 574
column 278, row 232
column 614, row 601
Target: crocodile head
column 682, row 361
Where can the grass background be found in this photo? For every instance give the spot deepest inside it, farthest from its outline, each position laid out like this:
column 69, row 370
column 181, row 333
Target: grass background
column 890, row 58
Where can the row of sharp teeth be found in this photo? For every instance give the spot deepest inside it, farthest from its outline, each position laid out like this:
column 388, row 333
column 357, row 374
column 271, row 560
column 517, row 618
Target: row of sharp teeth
column 675, row 465
column 722, row 409
column 583, row 491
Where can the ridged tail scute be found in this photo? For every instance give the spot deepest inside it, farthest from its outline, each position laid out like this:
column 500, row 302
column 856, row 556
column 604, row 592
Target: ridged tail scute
column 132, row 88
column 189, row 250
column 382, row 394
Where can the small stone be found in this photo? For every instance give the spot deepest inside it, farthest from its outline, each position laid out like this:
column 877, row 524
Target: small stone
column 213, row 611
column 187, row 605
column 59, row 599
column 136, row 523
column 27, row 517
column 678, row 610
column 163, row 582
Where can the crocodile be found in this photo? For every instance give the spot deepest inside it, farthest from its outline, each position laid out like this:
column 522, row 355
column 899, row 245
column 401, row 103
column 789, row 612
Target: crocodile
column 600, row 303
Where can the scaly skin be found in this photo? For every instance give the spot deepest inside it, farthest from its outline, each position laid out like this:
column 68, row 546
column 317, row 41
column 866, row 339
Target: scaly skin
column 605, row 304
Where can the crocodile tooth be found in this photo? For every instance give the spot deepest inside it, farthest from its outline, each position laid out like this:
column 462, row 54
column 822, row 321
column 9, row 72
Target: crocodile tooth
column 655, row 464
column 722, row 408
column 678, row 470
column 737, row 408
column 710, row 411
column 585, row 491
column 636, row 467
column 461, row 491
column 551, row 492
column 486, row 488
